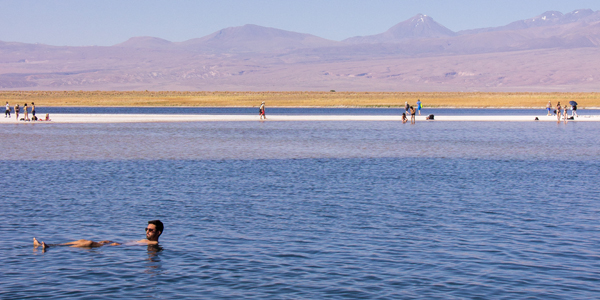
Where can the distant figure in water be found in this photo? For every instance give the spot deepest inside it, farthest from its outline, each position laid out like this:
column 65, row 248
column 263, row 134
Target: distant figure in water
column 549, row 108
column 406, row 107
column 565, row 113
column 558, row 111
column 404, row 118
column 153, row 231
column 573, row 111
column 17, row 109
column 419, row 106
column 261, row 111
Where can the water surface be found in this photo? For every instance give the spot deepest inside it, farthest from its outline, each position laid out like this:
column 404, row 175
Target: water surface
column 303, row 210
column 301, row 111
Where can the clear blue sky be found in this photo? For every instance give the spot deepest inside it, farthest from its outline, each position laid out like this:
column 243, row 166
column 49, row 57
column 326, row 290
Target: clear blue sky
column 109, row 22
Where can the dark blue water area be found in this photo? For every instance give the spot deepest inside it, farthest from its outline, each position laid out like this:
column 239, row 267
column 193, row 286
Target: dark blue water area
column 303, row 210
column 298, row 111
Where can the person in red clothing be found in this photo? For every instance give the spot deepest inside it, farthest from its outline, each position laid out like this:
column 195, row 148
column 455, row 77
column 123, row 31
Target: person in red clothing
column 261, row 111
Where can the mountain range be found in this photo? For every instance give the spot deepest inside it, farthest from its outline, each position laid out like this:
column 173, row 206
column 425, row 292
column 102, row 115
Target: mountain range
column 549, row 52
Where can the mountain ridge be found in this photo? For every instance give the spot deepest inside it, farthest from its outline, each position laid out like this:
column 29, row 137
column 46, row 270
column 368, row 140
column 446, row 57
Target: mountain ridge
column 418, row 27
column 417, row 53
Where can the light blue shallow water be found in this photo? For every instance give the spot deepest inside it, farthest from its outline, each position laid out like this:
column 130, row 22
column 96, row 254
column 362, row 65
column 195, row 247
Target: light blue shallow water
column 299, row 111
column 303, row 210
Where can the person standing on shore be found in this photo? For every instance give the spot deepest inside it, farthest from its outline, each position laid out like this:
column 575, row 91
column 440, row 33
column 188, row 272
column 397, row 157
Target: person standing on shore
column 33, row 110
column 419, row 106
column 413, row 111
column 406, row 107
column 261, row 111
column 17, row 111
column 573, row 112
column 566, row 113
column 7, row 112
column 558, row 111
column 549, row 107
column 26, row 117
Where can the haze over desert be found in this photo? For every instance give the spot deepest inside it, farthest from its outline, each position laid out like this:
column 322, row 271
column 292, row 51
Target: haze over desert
column 551, row 52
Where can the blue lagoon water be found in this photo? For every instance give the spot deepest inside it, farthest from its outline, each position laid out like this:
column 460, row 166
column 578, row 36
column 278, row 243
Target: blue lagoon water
column 298, row 111
column 303, row 210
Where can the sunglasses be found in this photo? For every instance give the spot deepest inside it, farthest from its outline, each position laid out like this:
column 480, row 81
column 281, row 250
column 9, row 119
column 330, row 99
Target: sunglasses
column 150, row 229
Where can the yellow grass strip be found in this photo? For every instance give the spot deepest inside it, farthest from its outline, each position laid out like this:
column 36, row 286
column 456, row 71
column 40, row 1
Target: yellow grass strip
column 295, row 99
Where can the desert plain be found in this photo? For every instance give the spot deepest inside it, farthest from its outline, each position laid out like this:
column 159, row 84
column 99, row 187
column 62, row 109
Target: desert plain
column 297, row 99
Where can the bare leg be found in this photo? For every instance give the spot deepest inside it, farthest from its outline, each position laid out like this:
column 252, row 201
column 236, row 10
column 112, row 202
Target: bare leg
column 89, row 244
column 79, row 244
column 83, row 244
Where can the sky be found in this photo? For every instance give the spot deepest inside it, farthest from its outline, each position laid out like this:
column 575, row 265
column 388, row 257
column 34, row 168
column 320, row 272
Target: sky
column 109, row 22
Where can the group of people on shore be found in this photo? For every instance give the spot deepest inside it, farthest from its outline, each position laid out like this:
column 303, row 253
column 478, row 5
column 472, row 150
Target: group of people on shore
column 26, row 109
column 18, row 110
column 412, row 110
column 407, row 108
column 562, row 111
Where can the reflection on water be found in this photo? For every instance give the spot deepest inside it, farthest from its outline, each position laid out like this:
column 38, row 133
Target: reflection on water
column 302, row 210
column 154, row 266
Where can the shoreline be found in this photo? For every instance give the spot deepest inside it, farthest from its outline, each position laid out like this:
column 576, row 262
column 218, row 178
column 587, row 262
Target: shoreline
column 332, row 106
column 166, row 118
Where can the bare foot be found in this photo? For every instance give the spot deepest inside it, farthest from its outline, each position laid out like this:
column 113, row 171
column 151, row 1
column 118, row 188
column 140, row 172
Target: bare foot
column 36, row 244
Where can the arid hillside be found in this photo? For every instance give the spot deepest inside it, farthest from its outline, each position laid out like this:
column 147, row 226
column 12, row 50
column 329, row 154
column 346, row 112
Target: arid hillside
column 551, row 52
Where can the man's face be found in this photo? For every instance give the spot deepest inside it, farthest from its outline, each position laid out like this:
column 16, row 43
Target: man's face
column 151, row 232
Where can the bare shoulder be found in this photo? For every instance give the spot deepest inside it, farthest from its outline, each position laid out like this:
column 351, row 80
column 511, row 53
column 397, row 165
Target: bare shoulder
column 148, row 242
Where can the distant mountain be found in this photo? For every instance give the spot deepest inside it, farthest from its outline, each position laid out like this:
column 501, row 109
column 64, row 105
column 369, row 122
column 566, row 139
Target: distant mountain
column 417, row 27
column 253, row 38
column 552, row 51
column 144, row 42
column 549, row 18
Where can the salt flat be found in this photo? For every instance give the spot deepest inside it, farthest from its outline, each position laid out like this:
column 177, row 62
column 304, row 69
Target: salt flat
column 142, row 118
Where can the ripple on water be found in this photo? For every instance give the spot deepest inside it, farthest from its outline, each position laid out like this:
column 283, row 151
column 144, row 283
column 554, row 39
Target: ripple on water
column 426, row 212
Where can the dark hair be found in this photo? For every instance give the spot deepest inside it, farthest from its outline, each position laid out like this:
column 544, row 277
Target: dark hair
column 159, row 225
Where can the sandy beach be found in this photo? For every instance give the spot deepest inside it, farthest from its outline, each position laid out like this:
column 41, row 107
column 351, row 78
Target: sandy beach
column 144, row 118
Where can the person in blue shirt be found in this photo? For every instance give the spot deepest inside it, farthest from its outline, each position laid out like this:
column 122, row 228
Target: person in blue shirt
column 419, row 106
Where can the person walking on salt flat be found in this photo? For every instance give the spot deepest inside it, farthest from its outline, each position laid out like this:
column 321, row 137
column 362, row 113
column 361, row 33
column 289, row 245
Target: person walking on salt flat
column 261, row 111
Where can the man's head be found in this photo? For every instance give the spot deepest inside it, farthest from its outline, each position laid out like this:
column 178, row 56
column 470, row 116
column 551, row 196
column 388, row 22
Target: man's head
column 154, row 230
